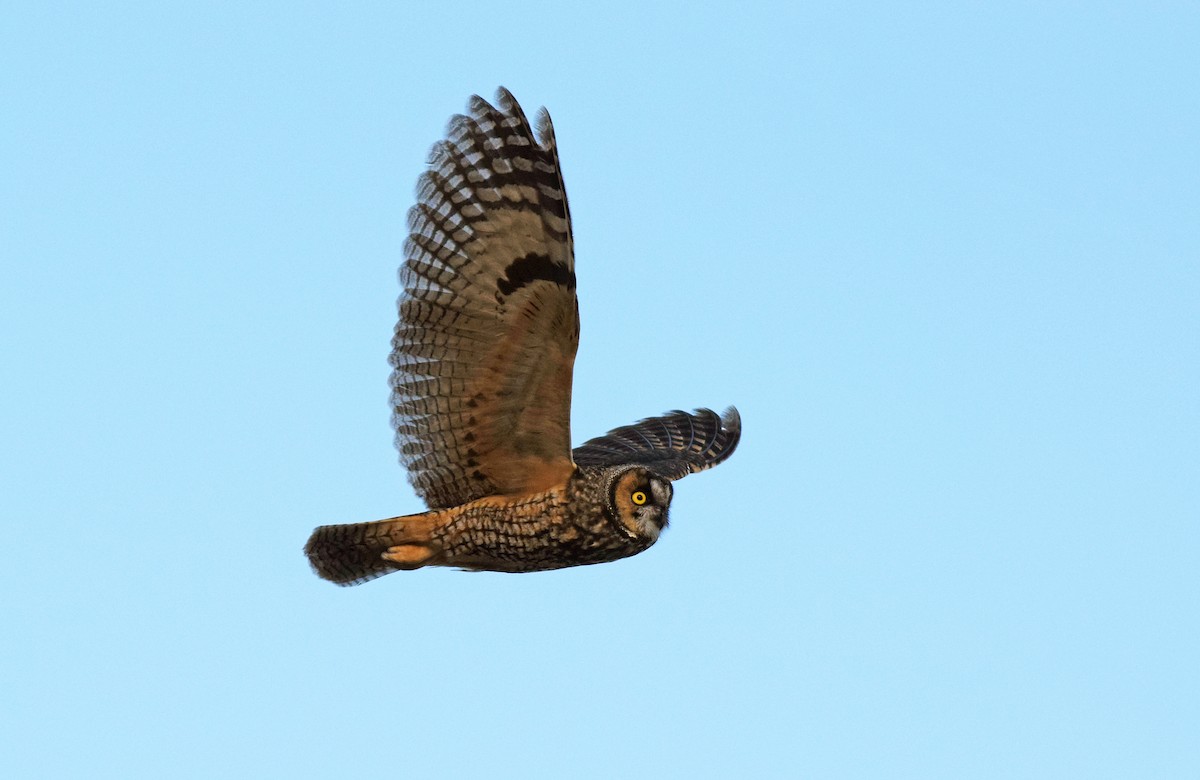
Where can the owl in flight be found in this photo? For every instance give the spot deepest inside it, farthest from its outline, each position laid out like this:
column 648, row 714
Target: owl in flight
column 481, row 385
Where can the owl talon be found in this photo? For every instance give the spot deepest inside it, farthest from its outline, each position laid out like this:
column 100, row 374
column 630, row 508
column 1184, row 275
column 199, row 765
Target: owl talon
column 408, row 556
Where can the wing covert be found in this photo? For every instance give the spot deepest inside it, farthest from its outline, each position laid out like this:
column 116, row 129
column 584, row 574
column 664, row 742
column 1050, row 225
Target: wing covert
column 673, row 445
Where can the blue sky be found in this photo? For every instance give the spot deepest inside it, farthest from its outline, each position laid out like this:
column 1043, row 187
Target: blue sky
column 945, row 258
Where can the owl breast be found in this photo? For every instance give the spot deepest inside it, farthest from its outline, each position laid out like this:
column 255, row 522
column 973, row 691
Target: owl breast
column 568, row 526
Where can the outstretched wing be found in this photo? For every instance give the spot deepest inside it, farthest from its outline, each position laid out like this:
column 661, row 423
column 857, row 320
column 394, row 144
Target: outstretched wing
column 489, row 323
column 674, row 445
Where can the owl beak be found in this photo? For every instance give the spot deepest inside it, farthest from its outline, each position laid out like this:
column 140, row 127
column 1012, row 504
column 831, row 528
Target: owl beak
column 661, row 491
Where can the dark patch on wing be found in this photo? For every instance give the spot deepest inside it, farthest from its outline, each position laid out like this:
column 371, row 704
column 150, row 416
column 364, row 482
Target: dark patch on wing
column 531, row 268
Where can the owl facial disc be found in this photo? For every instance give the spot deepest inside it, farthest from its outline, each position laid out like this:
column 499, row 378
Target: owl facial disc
column 639, row 500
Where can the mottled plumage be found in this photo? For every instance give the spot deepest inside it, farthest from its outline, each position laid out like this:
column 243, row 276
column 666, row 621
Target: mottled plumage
column 483, row 356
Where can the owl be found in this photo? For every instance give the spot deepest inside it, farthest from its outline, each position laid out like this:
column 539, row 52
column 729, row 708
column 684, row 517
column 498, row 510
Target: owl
column 482, row 362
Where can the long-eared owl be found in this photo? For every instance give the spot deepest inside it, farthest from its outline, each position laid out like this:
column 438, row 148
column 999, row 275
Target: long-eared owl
column 482, row 360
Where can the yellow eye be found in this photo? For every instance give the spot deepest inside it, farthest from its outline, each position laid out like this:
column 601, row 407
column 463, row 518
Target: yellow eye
column 638, row 497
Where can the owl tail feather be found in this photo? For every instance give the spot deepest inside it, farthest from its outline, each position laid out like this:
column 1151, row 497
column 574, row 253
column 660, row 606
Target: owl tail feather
column 353, row 554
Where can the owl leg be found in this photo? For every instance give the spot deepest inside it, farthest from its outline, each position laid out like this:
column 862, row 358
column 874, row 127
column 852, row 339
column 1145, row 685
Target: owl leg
column 408, row 556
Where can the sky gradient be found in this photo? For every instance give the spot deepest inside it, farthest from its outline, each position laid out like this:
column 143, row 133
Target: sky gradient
column 945, row 260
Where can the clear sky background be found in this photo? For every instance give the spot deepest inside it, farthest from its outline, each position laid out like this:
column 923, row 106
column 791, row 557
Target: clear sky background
column 945, row 258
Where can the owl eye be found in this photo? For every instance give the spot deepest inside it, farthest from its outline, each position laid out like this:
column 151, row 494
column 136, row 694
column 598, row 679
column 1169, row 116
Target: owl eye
column 638, row 497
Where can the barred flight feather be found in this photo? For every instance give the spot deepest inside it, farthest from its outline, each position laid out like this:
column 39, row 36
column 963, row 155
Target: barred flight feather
column 673, row 445
column 481, row 389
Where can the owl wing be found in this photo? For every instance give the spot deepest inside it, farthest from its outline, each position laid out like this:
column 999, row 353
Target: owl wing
column 489, row 322
column 674, row 445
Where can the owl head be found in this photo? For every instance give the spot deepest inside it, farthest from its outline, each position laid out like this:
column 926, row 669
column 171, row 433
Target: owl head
column 638, row 500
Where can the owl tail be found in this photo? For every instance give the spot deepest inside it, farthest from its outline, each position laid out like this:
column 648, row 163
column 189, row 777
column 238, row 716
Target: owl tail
column 352, row 554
